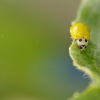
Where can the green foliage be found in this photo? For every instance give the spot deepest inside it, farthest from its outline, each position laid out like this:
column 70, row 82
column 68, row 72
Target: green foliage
column 88, row 60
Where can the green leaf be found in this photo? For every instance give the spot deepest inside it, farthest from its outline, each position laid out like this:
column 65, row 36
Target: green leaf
column 88, row 60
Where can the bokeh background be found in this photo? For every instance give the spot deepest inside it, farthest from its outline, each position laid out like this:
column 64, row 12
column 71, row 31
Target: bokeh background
column 34, row 58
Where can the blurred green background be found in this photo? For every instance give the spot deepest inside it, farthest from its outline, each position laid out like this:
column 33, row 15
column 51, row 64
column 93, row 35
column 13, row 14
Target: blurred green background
column 34, row 58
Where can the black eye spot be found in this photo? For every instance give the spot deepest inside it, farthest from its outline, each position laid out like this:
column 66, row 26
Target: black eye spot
column 85, row 40
column 81, row 47
column 80, row 40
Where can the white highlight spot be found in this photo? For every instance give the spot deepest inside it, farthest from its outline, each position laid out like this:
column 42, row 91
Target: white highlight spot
column 2, row 36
